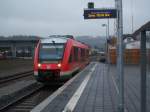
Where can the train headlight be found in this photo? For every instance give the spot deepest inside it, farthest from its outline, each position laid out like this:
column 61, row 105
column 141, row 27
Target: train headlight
column 39, row 65
column 59, row 65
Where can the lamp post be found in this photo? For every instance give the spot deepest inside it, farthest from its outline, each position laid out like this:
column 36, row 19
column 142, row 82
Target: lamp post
column 120, row 67
column 107, row 38
column 106, row 46
column 105, row 25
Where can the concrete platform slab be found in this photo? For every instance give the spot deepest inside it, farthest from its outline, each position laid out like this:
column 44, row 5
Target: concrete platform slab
column 96, row 91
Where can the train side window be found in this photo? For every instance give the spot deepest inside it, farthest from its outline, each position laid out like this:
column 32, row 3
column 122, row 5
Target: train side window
column 87, row 53
column 71, row 56
column 82, row 54
column 79, row 52
column 75, row 54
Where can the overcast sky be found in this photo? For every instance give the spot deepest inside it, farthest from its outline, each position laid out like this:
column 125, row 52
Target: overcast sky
column 46, row 17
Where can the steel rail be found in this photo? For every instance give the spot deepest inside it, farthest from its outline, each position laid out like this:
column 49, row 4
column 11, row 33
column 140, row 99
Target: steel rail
column 24, row 93
column 15, row 76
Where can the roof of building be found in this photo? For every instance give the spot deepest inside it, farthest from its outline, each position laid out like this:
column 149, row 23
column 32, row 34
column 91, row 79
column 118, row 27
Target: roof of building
column 19, row 38
column 144, row 27
column 127, row 36
column 136, row 45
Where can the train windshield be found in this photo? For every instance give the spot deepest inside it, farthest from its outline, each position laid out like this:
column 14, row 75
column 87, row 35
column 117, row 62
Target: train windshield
column 51, row 52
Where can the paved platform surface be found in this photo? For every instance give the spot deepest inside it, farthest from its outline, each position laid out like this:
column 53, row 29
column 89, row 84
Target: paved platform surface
column 132, row 87
column 100, row 93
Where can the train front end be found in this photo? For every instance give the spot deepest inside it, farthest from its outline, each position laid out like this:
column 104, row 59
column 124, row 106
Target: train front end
column 48, row 59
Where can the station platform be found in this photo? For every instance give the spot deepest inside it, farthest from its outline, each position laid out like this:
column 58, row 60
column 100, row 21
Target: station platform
column 95, row 89
column 92, row 90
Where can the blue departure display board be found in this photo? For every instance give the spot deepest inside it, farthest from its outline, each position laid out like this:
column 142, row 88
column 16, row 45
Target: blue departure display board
column 99, row 13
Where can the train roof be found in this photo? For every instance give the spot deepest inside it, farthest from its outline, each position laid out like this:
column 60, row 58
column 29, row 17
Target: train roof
column 61, row 40
column 54, row 40
column 62, row 36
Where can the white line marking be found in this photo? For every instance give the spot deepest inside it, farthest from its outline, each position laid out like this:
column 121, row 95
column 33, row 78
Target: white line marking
column 125, row 110
column 74, row 99
column 117, row 89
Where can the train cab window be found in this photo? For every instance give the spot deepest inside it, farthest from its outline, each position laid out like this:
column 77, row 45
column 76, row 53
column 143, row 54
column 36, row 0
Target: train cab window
column 49, row 52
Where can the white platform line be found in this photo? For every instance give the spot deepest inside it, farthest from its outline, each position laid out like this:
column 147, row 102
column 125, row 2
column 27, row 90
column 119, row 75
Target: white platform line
column 117, row 89
column 74, row 99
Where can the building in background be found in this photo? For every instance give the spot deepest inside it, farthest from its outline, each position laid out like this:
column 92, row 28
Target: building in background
column 131, row 46
column 17, row 46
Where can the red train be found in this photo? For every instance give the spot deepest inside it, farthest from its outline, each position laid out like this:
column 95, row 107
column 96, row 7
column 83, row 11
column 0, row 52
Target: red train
column 57, row 58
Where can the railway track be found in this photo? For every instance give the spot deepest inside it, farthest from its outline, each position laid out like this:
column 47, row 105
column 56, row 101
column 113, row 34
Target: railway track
column 29, row 101
column 15, row 76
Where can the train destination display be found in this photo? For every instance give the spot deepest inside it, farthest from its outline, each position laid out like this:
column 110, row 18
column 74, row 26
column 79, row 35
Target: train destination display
column 99, row 13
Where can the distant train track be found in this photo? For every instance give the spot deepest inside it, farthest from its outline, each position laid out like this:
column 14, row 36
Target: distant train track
column 15, row 76
column 27, row 102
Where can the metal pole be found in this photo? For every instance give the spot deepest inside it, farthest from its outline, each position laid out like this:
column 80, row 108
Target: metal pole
column 107, row 36
column 105, row 25
column 106, row 31
column 106, row 41
column 108, row 28
column 143, row 71
column 117, row 46
column 132, row 15
column 108, row 52
column 120, row 57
